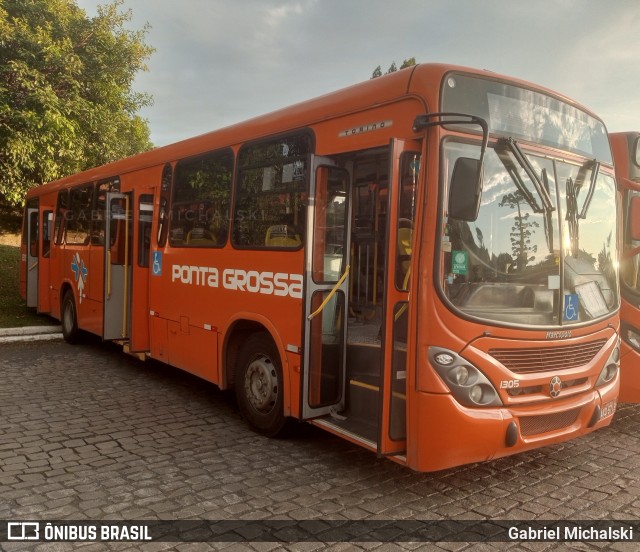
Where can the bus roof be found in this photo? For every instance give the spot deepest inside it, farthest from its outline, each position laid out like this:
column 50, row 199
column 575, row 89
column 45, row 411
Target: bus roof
column 421, row 81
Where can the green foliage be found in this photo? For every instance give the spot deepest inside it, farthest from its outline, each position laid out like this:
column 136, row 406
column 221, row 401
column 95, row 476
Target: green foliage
column 521, row 233
column 66, row 98
column 13, row 309
column 377, row 72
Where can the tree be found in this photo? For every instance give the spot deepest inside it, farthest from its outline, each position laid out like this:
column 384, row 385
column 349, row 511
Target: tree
column 66, row 98
column 377, row 72
column 521, row 231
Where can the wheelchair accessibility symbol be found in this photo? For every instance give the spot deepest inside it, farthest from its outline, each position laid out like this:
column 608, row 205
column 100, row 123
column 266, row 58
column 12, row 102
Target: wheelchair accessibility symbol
column 571, row 307
column 157, row 263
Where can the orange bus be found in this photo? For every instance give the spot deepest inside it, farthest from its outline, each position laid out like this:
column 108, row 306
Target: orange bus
column 626, row 153
column 424, row 264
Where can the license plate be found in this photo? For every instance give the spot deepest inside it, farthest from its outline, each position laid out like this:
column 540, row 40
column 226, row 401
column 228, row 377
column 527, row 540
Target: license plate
column 608, row 410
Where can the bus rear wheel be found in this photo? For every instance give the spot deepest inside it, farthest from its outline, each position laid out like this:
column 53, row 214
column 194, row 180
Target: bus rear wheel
column 69, row 318
column 258, row 385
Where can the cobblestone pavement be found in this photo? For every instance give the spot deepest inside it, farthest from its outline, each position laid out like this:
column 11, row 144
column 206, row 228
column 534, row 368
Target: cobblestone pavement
column 87, row 432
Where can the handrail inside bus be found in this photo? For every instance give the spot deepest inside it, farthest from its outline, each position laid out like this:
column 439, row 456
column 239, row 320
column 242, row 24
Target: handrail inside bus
column 331, row 294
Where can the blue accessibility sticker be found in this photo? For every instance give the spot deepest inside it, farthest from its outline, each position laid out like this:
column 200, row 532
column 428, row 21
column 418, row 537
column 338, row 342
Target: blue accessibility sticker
column 571, row 307
column 157, row 263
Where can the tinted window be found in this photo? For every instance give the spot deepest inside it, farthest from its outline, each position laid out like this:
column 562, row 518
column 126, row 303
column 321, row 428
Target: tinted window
column 165, row 194
column 145, row 220
column 202, row 195
column 98, row 215
column 62, row 209
column 79, row 217
column 271, row 193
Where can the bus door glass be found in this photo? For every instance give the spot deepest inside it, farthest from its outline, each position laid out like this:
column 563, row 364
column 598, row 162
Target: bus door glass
column 33, row 217
column 117, row 263
column 405, row 165
column 327, row 284
column 46, row 231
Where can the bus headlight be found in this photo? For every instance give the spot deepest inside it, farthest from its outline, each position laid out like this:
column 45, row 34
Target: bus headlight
column 467, row 384
column 611, row 367
column 461, row 374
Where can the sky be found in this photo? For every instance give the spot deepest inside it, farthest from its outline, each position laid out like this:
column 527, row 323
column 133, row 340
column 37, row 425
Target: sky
column 219, row 62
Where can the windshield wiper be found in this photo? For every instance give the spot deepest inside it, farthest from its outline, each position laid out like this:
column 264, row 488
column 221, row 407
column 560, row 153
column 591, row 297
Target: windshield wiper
column 595, row 169
column 573, row 189
column 548, row 228
column 543, row 192
column 572, row 215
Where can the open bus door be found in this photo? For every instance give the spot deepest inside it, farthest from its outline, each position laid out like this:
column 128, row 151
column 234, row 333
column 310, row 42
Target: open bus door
column 33, row 218
column 46, row 231
column 326, row 285
column 403, row 171
column 117, row 265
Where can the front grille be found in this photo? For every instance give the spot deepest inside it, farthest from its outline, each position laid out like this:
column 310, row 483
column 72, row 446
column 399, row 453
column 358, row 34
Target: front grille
column 547, row 359
column 535, row 425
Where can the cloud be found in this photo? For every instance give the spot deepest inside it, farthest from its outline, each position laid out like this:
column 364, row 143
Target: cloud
column 218, row 62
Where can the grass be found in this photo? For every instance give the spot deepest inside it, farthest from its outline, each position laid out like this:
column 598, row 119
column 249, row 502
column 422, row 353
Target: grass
column 13, row 309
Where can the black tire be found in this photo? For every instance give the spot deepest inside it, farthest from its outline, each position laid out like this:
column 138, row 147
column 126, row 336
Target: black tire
column 69, row 318
column 258, row 385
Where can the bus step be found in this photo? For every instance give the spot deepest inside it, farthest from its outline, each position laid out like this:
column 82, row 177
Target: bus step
column 363, row 360
column 362, row 401
column 139, row 355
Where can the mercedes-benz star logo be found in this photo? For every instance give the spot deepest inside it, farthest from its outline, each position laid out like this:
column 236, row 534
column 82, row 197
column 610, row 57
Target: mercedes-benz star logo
column 555, row 385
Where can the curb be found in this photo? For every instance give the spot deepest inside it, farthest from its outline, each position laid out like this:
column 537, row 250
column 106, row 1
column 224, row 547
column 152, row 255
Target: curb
column 30, row 333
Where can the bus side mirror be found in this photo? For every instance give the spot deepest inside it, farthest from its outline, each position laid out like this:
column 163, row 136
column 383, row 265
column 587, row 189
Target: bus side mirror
column 634, row 218
column 466, row 189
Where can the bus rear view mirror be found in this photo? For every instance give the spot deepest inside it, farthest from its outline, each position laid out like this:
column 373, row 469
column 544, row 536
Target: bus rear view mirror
column 634, row 218
column 466, row 189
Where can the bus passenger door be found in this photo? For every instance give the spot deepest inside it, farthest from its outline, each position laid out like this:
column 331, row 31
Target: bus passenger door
column 403, row 171
column 326, row 285
column 33, row 218
column 117, row 266
column 46, row 231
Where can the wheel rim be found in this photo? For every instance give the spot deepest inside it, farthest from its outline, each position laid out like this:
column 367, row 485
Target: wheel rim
column 68, row 317
column 261, row 384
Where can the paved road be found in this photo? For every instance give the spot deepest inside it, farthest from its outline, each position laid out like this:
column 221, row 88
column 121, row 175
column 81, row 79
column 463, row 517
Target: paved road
column 87, row 432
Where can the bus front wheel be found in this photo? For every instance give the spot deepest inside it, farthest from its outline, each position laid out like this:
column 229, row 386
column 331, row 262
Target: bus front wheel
column 69, row 318
column 258, row 385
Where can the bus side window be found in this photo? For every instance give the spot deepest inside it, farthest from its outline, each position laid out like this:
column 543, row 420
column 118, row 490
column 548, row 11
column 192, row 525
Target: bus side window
column 47, row 224
column 271, row 193
column 99, row 211
column 145, row 219
column 201, row 199
column 79, row 223
column 163, row 214
column 62, row 209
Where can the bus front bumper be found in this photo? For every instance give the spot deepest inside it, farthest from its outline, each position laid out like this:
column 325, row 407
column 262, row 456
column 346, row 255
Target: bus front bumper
column 448, row 434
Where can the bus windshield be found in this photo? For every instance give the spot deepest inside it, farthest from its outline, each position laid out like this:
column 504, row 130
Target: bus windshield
column 542, row 250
